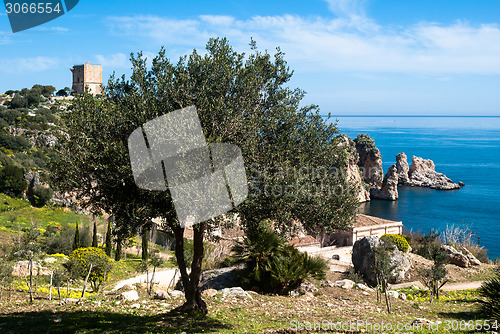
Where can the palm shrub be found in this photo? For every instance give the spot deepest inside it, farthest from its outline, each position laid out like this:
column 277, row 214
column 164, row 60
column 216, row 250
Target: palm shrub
column 274, row 265
column 490, row 291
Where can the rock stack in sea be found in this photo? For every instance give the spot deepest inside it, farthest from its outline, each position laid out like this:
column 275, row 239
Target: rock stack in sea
column 364, row 167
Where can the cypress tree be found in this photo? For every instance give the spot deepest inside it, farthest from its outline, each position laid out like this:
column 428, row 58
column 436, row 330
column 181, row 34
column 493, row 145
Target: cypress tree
column 94, row 236
column 144, row 244
column 118, row 253
column 108, row 246
column 76, row 240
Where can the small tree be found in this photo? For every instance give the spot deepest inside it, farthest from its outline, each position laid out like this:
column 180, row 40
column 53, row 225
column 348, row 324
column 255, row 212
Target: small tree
column 144, row 243
column 76, row 240
column 108, row 246
column 383, row 269
column 5, row 277
column 59, row 276
column 12, row 180
column 94, row 236
column 28, row 250
column 435, row 277
column 90, row 264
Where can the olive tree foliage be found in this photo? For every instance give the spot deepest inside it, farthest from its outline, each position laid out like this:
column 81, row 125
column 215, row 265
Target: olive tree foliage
column 291, row 155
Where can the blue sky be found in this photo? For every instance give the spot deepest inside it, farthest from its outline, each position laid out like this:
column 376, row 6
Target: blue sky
column 418, row 57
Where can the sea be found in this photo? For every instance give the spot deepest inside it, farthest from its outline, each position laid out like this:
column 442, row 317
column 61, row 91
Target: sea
column 465, row 149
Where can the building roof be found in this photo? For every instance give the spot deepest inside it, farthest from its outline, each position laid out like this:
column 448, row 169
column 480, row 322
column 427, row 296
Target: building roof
column 304, row 241
column 365, row 221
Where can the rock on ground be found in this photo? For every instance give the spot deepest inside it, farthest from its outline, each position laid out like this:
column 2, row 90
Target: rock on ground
column 129, row 295
column 456, row 257
column 208, row 293
column 235, row 292
column 345, row 284
column 21, row 269
column 161, row 295
column 363, row 259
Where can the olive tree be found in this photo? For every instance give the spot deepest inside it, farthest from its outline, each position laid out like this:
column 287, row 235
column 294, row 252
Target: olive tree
column 290, row 153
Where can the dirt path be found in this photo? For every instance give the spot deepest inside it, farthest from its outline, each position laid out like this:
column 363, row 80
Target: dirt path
column 462, row 286
column 163, row 277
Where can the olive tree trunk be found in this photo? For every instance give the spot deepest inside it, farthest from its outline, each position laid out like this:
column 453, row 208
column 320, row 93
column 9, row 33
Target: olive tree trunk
column 190, row 281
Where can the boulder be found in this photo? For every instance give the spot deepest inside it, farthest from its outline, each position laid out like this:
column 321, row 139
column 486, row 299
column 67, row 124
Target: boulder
column 306, row 287
column 219, row 279
column 423, row 173
column 176, row 294
column 235, row 292
column 393, row 294
column 50, row 260
column 363, row 259
column 389, row 189
column 456, row 257
column 161, row 295
column 129, row 296
column 127, row 287
column 402, row 296
column 21, row 269
column 473, row 261
column 208, row 293
column 345, row 284
column 364, row 287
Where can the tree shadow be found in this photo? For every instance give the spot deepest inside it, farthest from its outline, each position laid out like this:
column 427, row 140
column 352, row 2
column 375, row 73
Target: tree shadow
column 463, row 315
column 79, row 321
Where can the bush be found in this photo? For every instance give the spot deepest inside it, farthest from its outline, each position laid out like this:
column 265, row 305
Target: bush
column 12, row 180
column 15, row 143
column 81, row 259
column 399, row 240
column 274, row 265
column 41, row 196
column 490, row 291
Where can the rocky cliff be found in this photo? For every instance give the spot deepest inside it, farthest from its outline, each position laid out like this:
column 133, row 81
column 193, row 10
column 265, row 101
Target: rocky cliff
column 389, row 189
column 352, row 171
column 370, row 160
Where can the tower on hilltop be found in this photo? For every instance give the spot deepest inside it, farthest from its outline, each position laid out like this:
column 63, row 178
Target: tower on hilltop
column 87, row 76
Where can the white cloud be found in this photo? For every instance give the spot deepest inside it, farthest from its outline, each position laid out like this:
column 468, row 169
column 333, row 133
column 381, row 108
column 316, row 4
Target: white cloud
column 348, row 43
column 23, row 65
column 117, row 60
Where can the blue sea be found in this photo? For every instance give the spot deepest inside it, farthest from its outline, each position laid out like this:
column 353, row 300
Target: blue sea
column 465, row 149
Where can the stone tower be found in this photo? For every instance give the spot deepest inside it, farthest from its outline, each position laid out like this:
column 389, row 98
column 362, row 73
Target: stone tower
column 87, row 76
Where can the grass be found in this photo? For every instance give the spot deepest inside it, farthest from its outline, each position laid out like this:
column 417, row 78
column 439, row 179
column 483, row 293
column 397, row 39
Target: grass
column 263, row 313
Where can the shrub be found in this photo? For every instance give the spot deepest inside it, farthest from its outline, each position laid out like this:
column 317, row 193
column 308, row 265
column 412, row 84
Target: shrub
column 274, row 265
column 41, row 195
column 490, row 291
column 81, row 259
column 12, row 180
column 399, row 240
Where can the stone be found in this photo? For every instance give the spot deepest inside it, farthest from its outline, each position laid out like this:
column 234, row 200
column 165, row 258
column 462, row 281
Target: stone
column 393, row 294
column 306, row 287
column 235, row 292
column 389, row 189
column 456, row 257
column 423, row 173
column 176, row 294
column 328, row 283
column 402, row 296
column 21, row 269
column 363, row 260
column 136, row 305
column 219, row 279
column 461, row 184
column 208, row 293
column 127, row 287
column 161, row 295
column 402, row 169
column 421, row 321
column 364, row 287
column 336, row 257
column 129, row 296
column 345, row 284
column 50, row 260
column 473, row 261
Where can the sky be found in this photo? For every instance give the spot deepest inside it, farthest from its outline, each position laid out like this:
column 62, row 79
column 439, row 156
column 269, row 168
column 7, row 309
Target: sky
column 352, row 57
